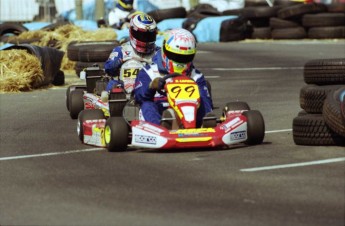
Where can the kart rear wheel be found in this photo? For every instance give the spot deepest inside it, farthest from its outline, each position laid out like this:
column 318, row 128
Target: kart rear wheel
column 76, row 103
column 116, row 134
column 235, row 106
column 255, row 127
column 69, row 90
column 87, row 114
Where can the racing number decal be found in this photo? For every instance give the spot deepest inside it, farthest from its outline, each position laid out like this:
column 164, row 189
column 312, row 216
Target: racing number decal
column 130, row 72
column 183, row 91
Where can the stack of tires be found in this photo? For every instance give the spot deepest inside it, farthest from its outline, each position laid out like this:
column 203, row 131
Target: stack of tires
column 90, row 53
column 322, row 120
column 294, row 20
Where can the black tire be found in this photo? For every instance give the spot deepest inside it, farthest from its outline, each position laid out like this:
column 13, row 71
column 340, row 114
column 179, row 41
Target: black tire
column 324, row 71
column 99, row 47
column 87, row 114
column 76, row 103
column 297, row 11
column 332, row 111
column 69, row 90
column 235, row 106
column 289, row 33
column 59, row 79
column 11, row 28
column 277, row 23
column 162, row 14
column 96, row 52
column 253, row 3
column 116, row 134
column 261, row 33
column 326, row 32
column 259, row 16
column 312, row 97
column 336, row 7
column 255, row 127
column 234, row 30
column 323, row 20
column 311, row 129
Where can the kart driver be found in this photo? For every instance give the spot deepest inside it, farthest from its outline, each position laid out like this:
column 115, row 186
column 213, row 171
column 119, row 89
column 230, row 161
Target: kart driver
column 141, row 46
column 176, row 56
column 119, row 14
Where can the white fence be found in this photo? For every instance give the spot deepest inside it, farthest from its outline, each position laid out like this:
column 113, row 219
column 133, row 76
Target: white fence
column 18, row 10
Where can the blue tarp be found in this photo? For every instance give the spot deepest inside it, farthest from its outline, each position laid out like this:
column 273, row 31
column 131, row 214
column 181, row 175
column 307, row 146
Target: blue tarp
column 35, row 25
column 170, row 24
column 208, row 29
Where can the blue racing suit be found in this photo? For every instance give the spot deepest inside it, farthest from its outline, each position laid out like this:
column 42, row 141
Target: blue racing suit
column 152, row 103
column 119, row 55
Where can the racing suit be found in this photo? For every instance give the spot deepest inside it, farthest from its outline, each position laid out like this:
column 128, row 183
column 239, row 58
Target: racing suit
column 119, row 55
column 117, row 16
column 152, row 104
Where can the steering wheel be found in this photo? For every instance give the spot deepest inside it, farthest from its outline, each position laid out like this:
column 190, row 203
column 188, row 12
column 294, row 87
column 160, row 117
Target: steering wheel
column 162, row 81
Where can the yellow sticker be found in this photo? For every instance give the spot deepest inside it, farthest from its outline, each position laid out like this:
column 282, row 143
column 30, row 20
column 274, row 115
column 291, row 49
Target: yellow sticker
column 193, row 139
column 191, row 131
column 183, row 91
column 130, row 72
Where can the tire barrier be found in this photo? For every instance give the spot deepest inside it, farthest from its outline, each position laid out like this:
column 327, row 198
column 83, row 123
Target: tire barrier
column 322, row 121
column 295, row 21
column 88, row 53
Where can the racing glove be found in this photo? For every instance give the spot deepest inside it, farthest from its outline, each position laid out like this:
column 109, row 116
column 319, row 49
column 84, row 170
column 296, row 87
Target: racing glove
column 157, row 83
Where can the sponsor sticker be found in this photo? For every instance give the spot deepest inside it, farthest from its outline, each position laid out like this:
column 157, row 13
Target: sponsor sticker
column 240, row 135
column 145, row 139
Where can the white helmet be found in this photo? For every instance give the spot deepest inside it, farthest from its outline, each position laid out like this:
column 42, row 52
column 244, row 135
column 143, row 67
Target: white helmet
column 142, row 33
column 179, row 48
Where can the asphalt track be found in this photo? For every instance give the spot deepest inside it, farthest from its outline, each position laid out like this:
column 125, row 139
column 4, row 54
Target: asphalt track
column 47, row 177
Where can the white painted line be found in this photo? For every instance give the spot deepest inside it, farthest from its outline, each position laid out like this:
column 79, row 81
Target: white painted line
column 212, row 76
column 279, row 131
column 49, row 154
column 325, row 161
column 255, row 68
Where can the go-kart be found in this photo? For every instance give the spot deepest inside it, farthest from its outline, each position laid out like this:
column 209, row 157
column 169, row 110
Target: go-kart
column 91, row 95
column 238, row 124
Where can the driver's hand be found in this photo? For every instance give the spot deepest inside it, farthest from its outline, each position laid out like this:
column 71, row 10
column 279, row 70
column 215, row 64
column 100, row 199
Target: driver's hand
column 156, row 83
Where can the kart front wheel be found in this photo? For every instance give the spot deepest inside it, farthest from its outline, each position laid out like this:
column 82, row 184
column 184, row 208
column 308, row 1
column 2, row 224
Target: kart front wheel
column 235, row 106
column 116, row 134
column 87, row 114
column 255, row 127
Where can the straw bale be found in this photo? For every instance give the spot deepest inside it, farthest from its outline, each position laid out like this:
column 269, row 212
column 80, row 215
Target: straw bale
column 63, row 35
column 19, row 71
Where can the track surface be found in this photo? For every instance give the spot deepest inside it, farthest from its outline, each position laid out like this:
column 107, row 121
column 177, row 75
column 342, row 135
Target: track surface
column 47, row 177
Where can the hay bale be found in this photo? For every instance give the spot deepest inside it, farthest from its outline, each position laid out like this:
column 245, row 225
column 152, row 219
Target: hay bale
column 63, row 35
column 19, row 71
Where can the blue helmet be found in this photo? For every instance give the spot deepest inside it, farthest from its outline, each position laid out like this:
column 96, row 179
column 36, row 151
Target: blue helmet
column 126, row 4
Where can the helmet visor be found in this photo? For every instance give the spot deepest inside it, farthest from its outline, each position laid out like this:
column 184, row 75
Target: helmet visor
column 144, row 36
column 180, row 58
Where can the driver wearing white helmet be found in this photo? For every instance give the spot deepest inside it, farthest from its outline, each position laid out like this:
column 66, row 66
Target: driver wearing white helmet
column 176, row 56
column 141, row 46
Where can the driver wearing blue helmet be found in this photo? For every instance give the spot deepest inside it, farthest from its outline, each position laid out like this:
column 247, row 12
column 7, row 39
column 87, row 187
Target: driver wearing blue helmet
column 120, row 13
column 141, row 46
